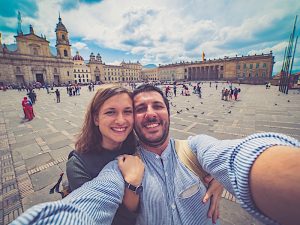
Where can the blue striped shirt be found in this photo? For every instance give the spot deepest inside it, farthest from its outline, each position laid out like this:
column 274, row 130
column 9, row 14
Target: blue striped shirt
column 172, row 194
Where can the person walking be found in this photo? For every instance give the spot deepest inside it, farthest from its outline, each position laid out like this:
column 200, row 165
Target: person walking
column 174, row 89
column 57, row 95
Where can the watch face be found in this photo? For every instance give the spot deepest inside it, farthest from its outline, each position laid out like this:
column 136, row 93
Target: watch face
column 139, row 190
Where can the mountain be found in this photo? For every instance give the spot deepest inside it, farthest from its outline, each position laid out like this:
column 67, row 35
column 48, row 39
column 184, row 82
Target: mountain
column 150, row 66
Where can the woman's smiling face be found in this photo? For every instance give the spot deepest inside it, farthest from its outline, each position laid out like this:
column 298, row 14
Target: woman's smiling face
column 115, row 120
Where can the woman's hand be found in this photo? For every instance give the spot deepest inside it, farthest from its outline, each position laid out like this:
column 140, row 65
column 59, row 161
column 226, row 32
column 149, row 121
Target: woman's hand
column 214, row 191
column 132, row 169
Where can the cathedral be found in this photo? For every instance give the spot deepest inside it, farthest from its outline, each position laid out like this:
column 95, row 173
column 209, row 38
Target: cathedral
column 33, row 61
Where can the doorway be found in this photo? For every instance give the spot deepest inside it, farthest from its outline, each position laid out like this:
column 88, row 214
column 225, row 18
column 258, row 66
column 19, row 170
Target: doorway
column 20, row 79
column 40, row 78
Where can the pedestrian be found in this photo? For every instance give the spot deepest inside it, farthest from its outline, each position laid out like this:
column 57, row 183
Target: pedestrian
column 245, row 166
column 167, row 90
column 174, row 89
column 199, row 90
column 32, row 96
column 27, row 108
column 235, row 93
column 70, row 91
column 57, row 95
column 223, row 93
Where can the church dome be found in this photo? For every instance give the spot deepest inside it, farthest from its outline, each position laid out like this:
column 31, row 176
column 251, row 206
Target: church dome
column 77, row 57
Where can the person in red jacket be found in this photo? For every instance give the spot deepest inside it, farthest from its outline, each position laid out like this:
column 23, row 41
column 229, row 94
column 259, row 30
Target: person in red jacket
column 27, row 108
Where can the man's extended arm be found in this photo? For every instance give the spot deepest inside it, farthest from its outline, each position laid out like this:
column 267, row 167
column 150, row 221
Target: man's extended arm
column 95, row 202
column 230, row 161
column 275, row 181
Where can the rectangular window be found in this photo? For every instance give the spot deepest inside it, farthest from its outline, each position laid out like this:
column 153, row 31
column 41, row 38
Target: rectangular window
column 238, row 66
column 264, row 65
column 74, row 75
column 257, row 65
column 245, row 66
column 251, row 66
column 68, row 73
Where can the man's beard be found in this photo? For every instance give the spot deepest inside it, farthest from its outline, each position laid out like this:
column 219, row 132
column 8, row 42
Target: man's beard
column 159, row 141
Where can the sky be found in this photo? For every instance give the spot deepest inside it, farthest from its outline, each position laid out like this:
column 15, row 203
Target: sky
column 160, row 31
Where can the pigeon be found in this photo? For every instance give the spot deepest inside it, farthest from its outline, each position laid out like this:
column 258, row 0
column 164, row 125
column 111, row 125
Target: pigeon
column 288, row 100
column 201, row 102
column 195, row 115
column 275, row 103
column 192, row 107
column 202, row 113
column 178, row 112
column 229, row 112
column 187, row 109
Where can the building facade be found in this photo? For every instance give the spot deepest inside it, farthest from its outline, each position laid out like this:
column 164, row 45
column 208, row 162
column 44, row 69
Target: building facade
column 81, row 70
column 149, row 74
column 125, row 72
column 33, row 61
column 253, row 69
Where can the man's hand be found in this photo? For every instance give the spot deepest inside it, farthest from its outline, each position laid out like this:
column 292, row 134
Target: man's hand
column 132, row 169
column 214, row 191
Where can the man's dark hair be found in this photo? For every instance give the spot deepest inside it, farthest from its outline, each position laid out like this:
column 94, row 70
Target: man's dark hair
column 148, row 88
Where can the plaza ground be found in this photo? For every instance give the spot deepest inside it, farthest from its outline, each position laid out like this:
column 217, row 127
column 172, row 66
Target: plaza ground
column 34, row 153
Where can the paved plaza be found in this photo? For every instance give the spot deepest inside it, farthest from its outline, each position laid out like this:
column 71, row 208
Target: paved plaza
column 33, row 154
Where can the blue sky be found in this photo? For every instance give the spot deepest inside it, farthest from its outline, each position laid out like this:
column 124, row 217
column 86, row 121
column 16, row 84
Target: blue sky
column 160, row 31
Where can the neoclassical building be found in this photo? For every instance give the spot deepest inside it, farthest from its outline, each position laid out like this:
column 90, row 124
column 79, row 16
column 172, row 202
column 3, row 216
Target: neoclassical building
column 253, row 69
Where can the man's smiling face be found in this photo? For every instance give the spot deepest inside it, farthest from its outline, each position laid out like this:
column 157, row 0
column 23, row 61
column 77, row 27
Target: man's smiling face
column 151, row 118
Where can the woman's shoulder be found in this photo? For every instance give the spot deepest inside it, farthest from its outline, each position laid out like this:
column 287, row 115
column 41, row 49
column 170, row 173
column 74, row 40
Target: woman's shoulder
column 74, row 162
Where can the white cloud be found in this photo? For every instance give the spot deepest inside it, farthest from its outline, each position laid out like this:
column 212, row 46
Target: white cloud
column 8, row 38
column 80, row 45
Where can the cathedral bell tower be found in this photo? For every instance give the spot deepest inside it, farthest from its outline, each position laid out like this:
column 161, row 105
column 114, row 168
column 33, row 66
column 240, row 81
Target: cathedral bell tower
column 63, row 46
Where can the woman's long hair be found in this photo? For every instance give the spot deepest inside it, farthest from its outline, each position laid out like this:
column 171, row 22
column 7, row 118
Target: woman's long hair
column 90, row 138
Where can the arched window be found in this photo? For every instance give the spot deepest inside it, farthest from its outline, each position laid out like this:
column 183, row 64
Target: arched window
column 63, row 37
column 55, row 70
column 65, row 52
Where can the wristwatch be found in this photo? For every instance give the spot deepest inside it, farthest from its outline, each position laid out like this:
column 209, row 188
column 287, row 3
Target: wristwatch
column 137, row 190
